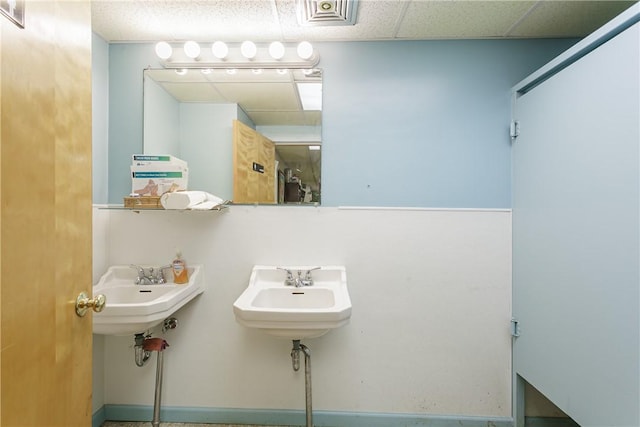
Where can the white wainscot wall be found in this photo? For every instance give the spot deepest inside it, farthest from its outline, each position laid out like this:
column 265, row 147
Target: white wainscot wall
column 429, row 333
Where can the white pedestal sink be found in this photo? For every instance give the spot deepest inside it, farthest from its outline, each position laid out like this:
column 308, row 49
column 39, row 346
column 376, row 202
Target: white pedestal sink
column 293, row 312
column 132, row 309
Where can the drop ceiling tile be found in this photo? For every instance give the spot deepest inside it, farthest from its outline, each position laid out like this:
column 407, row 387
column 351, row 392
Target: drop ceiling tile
column 228, row 20
column 568, row 18
column 292, row 118
column 277, row 96
column 461, row 19
column 266, row 20
column 119, row 20
column 194, row 92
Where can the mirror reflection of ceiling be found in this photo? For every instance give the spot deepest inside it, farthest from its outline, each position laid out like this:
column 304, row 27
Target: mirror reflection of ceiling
column 270, row 98
column 268, row 20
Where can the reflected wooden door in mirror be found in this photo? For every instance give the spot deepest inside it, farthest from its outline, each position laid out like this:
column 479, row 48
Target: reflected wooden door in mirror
column 190, row 115
column 253, row 166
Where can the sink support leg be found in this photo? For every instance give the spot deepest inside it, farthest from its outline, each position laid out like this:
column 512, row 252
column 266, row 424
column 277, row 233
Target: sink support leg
column 295, row 357
column 158, row 394
column 143, row 348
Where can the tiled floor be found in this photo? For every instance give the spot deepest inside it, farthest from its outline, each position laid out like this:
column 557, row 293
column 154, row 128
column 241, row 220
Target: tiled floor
column 148, row 423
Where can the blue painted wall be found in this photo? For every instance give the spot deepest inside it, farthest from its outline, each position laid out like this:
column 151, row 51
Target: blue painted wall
column 100, row 114
column 126, row 65
column 405, row 123
column 161, row 121
column 206, row 132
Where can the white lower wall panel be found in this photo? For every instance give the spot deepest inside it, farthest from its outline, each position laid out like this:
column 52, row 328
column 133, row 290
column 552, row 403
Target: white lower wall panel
column 431, row 294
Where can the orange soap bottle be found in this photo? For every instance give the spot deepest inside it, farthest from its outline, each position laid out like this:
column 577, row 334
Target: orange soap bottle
column 179, row 267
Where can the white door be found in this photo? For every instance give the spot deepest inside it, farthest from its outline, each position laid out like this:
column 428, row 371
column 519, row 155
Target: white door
column 576, row 235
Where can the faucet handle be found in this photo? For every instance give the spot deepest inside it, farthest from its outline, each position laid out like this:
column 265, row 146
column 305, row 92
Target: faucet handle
column 307, row 275
column 141, row 273
column 289, row 281
column 159, row 276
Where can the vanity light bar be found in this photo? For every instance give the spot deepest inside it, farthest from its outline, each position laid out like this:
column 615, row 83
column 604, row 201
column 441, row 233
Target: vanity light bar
column 247, row 54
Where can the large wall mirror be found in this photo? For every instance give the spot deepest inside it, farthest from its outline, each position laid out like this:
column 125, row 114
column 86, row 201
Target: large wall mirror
column 190, row 114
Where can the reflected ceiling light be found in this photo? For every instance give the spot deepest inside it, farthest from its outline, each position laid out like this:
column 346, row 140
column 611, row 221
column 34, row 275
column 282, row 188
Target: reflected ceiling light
column 181, row 71
column 206, row 71
column 232, row 71
column 314, row 147
column 281, row 71
column 248, row 49
column 192, row 49
column 257, row 70
column 310, row 96
column 305, row 50
column 220, row 50
column 163, row 50
column 276, row 50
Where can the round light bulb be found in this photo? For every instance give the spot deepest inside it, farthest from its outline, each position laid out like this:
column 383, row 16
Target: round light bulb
column 305, row 50
column 248, row 49
column 219, row 50
column 276, row 50
column 192, row 49
column 163, row 50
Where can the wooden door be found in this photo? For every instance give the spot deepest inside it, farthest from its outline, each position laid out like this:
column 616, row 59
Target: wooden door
column 267, row 158
column 253, row 166
column 243, row 190
column 45, row 216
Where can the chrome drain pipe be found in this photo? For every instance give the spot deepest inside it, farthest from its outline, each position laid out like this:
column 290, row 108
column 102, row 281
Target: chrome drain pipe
column 141, row 355
column 295, row 360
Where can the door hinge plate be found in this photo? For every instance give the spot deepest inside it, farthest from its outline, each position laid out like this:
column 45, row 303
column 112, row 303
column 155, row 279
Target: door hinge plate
column 515, row 327
column 514, row 129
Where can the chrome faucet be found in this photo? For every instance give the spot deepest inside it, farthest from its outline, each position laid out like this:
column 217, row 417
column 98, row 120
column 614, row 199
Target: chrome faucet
column 155, row 276
column 299, row 281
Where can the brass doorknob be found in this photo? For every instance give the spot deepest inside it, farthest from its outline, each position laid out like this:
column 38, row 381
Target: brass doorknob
column 84, row 303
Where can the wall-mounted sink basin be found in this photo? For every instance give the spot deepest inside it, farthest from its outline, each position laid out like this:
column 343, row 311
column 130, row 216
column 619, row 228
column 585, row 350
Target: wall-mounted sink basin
column 294, row 312
column 132, row 309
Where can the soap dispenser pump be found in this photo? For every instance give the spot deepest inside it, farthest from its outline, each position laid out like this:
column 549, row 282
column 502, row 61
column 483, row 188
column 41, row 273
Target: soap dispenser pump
column 179, row 267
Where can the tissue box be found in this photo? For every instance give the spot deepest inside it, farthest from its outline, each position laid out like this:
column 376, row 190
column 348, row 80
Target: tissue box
column 155, row 174
column 155, row 180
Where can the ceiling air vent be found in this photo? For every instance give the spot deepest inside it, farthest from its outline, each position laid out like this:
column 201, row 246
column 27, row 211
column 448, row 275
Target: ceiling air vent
column 327, row 12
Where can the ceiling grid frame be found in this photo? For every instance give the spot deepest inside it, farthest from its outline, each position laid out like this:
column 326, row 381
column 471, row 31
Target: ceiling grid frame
column 268, row 20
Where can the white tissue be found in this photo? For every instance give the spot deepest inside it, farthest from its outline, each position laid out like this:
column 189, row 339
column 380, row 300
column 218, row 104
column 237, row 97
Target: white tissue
column 190, row 200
